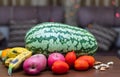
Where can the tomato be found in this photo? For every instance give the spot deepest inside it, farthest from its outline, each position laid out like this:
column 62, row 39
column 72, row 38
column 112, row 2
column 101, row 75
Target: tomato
column 81, row 64
column 60, row 67
column 70, row 58
column 89, row 59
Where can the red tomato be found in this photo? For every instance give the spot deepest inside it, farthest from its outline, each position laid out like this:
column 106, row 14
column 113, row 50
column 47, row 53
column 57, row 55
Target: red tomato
column 60, row 67
column 70, row 58
column 89, row 59
column 81, row 64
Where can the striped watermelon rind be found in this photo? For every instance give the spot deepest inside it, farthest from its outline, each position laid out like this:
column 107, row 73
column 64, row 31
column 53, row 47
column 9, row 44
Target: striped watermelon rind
column 50, row 37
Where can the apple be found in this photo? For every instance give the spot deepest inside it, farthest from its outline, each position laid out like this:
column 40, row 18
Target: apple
column 55, row 57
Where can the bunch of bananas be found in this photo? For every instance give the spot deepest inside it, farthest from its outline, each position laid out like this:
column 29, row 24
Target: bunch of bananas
column 17, row 61
column 14, row 57
column 10, row 53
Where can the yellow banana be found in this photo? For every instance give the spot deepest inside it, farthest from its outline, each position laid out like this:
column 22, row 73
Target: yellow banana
column 15, row 51
column 0, row 53
column 17, row 61
column 7, row 61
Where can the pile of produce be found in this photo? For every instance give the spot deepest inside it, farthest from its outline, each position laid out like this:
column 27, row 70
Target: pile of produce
column 57, row 62
column 56, row 46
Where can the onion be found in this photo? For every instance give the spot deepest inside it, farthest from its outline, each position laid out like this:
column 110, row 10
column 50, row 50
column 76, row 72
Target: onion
column 55, row 57
column 35, row 64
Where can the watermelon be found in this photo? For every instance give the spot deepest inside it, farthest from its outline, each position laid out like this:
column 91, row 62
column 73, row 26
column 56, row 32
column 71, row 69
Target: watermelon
column 51, row 37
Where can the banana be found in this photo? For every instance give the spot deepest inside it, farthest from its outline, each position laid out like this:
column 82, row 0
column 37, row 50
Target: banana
column 0, row 53
column 15, row 51
column 7, row 61
column 17, row 61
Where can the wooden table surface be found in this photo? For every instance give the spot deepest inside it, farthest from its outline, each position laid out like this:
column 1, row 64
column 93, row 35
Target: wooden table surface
column 113, row 71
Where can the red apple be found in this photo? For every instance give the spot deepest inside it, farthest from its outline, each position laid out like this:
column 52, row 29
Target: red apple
column 55, row 57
